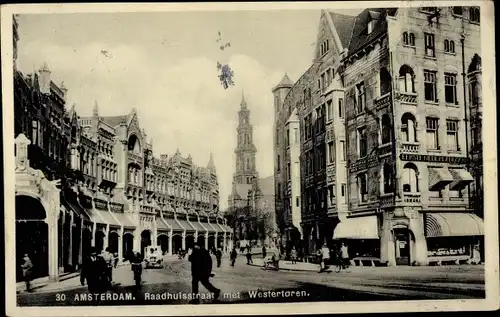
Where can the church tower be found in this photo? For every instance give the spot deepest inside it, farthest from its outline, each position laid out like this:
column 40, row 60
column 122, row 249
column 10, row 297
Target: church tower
column 245, row 149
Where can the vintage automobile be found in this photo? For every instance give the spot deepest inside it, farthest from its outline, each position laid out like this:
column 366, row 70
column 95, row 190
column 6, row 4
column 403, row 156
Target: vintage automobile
column 153, row 257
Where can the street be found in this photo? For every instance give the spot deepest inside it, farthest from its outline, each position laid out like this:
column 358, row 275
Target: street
column 251, row 284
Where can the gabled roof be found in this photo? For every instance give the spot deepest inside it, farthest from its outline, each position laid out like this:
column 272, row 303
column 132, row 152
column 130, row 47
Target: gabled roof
column 343, row 25
column 360, row 37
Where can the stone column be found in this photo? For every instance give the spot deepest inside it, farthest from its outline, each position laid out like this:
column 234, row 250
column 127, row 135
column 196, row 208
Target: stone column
column 206, row 240
column 170, row 237
column 80, row 247
column 52, row 221
column 224, row 246
column 184, row 240
column 387, row 247
column 419, row 255
column 94, row 229
column 216, row 240
column 120, row 244
column 106, row 240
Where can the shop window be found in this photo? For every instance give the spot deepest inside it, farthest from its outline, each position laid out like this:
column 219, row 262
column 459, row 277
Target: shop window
column 385, row 81
column 362, row 187
column 430, row 49
column 406, row 79
column 408, row 129
column 452, row 135
column 450, row 88
column 430, row 87
column 386, row 129
column 410, row 178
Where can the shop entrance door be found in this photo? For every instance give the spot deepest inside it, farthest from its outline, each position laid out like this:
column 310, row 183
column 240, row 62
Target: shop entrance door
column 402, row 247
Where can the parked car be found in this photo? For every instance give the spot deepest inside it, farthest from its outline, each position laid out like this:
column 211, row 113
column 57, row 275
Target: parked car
column 153, row 257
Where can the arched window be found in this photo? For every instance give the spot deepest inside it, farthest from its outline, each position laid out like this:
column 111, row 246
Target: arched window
column 406, row 79
column 410, row 178
column 452, row 47
column 405, row 38
column 386, row 129
column 388, row 174
column 474, row 15
column 412, row 39
column 385, row 81
column 446, row 46
column 408, row 128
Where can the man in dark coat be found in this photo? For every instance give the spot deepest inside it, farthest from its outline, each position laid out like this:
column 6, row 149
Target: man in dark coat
column 94, row 271
column 264, row 252
column 201, row 271
column 218, row 256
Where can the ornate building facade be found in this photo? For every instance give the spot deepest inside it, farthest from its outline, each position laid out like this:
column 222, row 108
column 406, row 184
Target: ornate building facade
column 94, row 181
column 407, row 132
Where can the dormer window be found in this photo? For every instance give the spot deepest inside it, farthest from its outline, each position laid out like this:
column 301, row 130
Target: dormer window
column 370, row 26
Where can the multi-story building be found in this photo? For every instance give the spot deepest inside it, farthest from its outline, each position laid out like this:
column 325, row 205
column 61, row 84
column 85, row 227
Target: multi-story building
column 404, row 72
column 93, row 181
column 313, row 109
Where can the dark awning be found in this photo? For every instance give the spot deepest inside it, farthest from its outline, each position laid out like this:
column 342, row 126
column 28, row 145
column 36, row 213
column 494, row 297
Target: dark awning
column 76, row 208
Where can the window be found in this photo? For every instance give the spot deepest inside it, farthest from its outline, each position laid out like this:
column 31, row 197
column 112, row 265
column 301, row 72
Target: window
column 412, row 39
column 385, row 81
column 323, row 81
column 279, row 191
column 319, row 84
column 341, row 108
column 410, row 178
column 343, row 191
column 449, row 46
column 362, row 187
column 388, row 174
column 452, row 135
column 289, row 171
column 386, row 129
column 458, row 10
column 329, row 109
column 297, row 201
column 287, row 138
column 429, row 45
column 474, row 15
column 331, row 195
column 362, row 142
column 342, row 150
column 430, row 89
column 331, row 152
column 34, row 132
column 278, row 163
column 432, row 129
column 360, row 97
column 473, row 93
column 371, row 24
column 405, row 38
column 408, row 130
column 406, row 79
column 450, row 88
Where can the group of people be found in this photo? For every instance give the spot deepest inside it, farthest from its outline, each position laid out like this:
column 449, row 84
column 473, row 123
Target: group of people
column 97, row 270
column 328, row 256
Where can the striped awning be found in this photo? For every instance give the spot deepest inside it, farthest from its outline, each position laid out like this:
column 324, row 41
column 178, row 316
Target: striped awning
column 161, row 225
column 174, row 224
column 125, row 219
column 357, row 228
column 461, row 178
column 439, row 178
column 453, row 225
column 107, row 217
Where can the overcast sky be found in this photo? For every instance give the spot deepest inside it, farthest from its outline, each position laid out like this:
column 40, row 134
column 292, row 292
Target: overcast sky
column 164, row 64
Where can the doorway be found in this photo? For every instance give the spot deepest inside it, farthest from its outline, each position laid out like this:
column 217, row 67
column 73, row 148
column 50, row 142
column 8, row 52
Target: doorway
column 402, row 246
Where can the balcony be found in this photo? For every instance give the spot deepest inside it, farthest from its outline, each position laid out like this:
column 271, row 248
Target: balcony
column 409, row 98
column 382, row 101
column 134, row 158
column 410, row 147
column 412, row 198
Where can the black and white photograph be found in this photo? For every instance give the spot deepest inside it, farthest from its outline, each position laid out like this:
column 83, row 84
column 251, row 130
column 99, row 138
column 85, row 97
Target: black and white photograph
column 333, row 155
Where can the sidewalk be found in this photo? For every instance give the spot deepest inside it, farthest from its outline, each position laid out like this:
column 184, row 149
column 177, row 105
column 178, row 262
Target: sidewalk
column 66, row 280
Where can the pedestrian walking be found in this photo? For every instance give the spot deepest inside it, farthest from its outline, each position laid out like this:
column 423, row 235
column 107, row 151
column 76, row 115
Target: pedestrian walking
column 136, row 266
column 233, row 256
column 218, row 256
column 264, row 251
column 249, row 257
column 94, row 272
column 110, row 261
column 344, row 255
column 293, row 255
column 325, row 257
column 201, row 271
column 27, row 267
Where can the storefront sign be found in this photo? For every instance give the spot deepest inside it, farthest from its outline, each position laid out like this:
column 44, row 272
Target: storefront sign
column 100, row 204
column 432, row 158
column 116, row 207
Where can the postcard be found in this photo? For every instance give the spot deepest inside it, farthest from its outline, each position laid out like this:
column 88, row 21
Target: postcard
column 249, row 158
